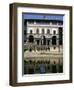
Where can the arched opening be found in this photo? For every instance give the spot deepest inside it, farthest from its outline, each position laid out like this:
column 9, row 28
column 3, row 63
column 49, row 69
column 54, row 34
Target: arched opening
column 43, row 31
column 54, row 40
column 43, row 41
column 31, row 39
column 37, row 31
column 54, row 32
column 48, row 31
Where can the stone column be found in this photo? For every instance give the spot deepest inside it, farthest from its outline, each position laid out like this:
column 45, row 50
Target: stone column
column 50, row 44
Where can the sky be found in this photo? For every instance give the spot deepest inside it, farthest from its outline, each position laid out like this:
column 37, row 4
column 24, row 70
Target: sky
column 42, row 16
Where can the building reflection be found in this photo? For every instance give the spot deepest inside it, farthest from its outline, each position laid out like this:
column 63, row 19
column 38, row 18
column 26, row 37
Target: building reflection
column 43, row 66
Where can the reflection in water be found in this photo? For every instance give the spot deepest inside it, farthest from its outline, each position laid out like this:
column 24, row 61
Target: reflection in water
column 43, row 65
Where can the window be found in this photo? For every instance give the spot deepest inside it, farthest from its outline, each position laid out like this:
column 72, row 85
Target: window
column 37, row 31
column 31, row 39
column 30, row 31
column 48, row 31
column 42, row 31
column 54, row 40
column 54, row 32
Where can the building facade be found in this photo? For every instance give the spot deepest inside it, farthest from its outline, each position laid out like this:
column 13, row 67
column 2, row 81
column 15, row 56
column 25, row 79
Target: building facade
column 43, row 35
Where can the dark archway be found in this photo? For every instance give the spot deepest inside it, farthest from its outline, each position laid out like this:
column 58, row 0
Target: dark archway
column 37, row 42
column 31, row 39
column 48, row 42
column 43, row 40
column 54, row 40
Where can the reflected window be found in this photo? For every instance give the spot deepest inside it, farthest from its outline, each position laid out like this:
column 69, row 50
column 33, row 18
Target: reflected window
column 54, row 69
column 60, row 69
column 31, row 71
